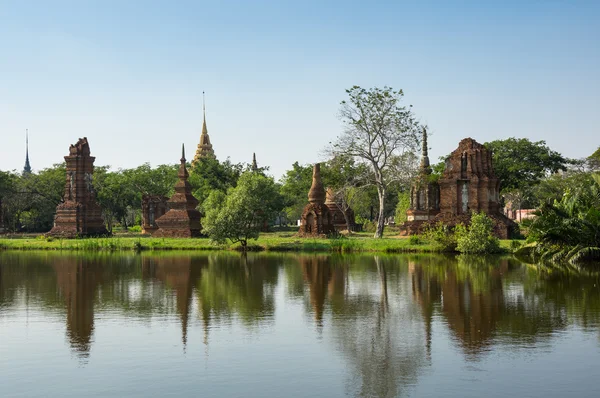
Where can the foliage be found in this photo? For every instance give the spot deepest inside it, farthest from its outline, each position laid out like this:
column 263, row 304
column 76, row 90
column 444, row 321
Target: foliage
column 242, row 213
column 520, row 163
column 295, row 185
column 477, row 238
column 442, row 236
column 380, row 134
column 209, row 174
column 593, row 161
column 402, row 207
column 569, row 229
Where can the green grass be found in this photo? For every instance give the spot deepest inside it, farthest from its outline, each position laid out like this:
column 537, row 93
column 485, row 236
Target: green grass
column 275, row 242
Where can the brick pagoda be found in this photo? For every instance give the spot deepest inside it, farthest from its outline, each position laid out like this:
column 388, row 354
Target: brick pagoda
column 182, row 220
column 79, row 214
column 205, row 148
column 338, row 220
column 424, row 194
column 316, row 219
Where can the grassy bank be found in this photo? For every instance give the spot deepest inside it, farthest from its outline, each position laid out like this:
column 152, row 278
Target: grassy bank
column 276, row 242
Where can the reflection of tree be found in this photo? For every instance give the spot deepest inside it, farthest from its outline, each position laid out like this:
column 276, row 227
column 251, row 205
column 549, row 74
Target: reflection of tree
column 379, row 333
column 240, row 286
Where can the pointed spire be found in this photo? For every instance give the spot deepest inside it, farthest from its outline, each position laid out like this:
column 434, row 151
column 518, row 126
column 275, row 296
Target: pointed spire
column 254, row 164
column 183, row 173
column 205, row 148
column 425, row 166
column 27, row 168
column 317, row 192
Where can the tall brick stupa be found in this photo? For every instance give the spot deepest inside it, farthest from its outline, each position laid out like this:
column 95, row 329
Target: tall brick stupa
column 316, row 219
column 182, row 220
column 79, row 214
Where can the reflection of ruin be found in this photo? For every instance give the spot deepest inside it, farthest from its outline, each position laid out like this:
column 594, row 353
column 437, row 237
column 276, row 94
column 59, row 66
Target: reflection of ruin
column 323, row 280
column 179, row 273
column 472, row 308
column 77, row 281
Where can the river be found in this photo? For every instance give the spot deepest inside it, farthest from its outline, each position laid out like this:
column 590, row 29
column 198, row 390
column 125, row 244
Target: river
column 295, row 325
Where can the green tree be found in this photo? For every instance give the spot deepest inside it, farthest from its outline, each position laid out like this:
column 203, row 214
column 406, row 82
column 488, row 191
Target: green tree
column 378, row 130
column 520, row 163
column 569, row 229
column 402, row 207
column 209, row 174
column 295, row 185
column 241, row 214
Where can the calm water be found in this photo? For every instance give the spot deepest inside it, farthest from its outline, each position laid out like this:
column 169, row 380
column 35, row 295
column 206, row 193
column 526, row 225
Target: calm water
column 216, row 325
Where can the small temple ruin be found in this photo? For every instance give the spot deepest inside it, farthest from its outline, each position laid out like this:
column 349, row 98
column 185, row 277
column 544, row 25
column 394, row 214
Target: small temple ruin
column 79, row 214
column 182, row 220
column 316, row 218
column 467, row 185
column 153, row 207
column 205, row 148
column 335, row 208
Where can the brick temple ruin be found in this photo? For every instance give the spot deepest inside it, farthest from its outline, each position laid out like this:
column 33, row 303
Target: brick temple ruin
column 182, row 220
column 338, row 219
column 153, row 207
column 467, row 185
column 79, row 214
column 316, row 218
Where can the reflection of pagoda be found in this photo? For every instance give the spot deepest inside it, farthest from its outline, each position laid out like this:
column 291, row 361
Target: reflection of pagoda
column 472, row 315
column 77, row 281
column 322, row 279
column 179, row 274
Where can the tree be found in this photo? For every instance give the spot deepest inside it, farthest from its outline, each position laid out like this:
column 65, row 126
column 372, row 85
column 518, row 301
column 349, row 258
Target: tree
column 520, row 163
column 345, row 178
column 593, row 161
column 209, row 174
column 377, row 132
column 242, row 213
column 295, row 185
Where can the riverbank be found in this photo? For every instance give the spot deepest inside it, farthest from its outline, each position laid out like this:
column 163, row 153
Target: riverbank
column 275, row 242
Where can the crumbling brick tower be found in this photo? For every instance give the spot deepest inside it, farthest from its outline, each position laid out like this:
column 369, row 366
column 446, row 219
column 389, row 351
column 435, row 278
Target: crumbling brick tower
column 182, row 220
column 79, row 214
column 469, row 185
column 316, row 219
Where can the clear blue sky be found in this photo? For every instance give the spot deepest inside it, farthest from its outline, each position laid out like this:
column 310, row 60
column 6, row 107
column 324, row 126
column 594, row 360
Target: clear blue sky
column 129, row 75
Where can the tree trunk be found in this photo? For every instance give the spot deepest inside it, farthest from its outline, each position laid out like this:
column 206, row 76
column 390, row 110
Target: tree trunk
column 347, row 219
column 380, row 220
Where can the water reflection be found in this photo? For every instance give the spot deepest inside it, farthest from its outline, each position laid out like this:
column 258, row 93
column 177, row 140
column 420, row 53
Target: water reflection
column 381, row 314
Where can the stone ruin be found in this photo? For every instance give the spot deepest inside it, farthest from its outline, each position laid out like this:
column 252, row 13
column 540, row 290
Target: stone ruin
column 182, row 220
column 316, row 218
column 468, row 185
column 338, row 220
column 153, row 207
column 79, row 214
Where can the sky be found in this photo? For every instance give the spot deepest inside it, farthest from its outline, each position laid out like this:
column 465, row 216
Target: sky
column 129, row 75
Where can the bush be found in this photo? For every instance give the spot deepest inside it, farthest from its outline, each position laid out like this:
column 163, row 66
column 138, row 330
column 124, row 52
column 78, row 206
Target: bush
column 442, row 237
column 369, row 226
column 477, row 238
column 415, row 240
column 135, row 228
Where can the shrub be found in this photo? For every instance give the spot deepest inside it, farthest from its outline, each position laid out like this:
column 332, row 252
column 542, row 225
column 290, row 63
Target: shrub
column 442, row 237
column 369, row 226
column 135, row 228
column 477, row 238
column 415, row 240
